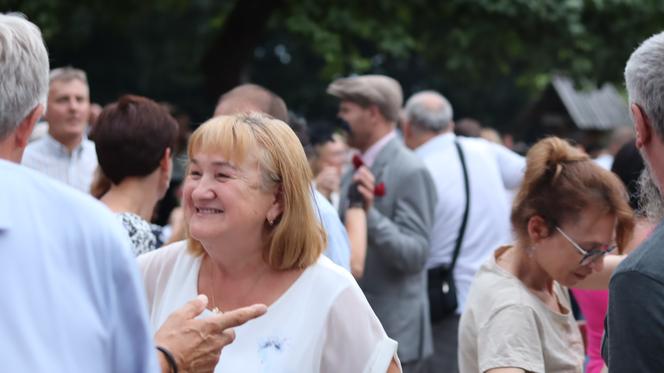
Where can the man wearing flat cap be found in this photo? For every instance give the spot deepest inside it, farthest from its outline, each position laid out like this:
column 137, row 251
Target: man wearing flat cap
column 399, row 218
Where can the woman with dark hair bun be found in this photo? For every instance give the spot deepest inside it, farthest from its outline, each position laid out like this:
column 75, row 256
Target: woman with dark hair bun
column 134, row 138
column 567, row 216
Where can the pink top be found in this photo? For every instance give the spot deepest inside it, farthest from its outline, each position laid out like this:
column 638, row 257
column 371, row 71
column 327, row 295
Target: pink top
column 593, row 304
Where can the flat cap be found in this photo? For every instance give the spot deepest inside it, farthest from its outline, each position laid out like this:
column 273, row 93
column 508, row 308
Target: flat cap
column 365, row 90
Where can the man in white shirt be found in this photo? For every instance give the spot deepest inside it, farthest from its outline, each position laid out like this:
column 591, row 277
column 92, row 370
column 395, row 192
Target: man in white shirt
column 492, row 168
column 65, row 153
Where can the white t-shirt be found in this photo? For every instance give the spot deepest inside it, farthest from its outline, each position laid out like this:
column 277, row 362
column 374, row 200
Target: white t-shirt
column 506, row 325
column 322, row 323
column 492, row 170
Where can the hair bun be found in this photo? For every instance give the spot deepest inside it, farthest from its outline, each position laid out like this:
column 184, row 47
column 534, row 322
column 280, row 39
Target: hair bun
column 557, row 152
column 560, row 183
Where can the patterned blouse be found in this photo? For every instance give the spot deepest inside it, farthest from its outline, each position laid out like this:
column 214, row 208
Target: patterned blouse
column 141, row 233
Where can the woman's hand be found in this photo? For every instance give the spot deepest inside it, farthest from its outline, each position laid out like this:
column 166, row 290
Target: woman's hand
column 328, row 181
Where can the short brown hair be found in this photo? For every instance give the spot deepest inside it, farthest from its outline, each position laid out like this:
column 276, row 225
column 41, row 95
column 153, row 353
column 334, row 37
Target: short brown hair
column 560, row 182
column 296, row 239
column 131, row 136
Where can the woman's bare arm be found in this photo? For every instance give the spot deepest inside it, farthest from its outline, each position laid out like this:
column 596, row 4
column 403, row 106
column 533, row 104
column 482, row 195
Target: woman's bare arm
column 394, row 367
column 356, row 225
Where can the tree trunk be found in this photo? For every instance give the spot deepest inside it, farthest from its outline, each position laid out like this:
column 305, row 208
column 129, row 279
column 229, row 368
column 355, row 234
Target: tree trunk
column 231, row 52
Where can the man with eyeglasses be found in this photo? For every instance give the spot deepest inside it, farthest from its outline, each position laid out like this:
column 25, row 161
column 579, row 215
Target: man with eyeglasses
column 634, row 338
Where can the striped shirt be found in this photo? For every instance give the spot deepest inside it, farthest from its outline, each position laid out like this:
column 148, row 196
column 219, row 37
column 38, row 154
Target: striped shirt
column 75, row 168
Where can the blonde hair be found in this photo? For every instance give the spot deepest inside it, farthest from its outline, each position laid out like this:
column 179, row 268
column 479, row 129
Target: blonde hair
column 560, row 182
column 296, row 239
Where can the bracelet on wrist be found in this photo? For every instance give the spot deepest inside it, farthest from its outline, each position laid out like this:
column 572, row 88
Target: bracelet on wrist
column 169, row 358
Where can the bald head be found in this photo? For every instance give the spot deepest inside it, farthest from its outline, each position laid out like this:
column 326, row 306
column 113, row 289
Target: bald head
column 252, row 98
column 429, row 111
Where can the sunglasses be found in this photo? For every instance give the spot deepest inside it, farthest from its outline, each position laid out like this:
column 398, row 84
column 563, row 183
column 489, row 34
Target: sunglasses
column 588, row 256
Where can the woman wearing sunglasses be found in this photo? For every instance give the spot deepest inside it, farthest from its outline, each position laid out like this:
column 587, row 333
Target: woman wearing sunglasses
column 568, row 214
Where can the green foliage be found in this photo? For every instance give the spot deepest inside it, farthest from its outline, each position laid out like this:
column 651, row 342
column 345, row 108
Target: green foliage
column 488, row 56
column 474, row 45
column 340, row 32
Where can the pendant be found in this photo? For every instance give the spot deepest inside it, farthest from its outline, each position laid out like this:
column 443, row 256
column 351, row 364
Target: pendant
column 216, row 310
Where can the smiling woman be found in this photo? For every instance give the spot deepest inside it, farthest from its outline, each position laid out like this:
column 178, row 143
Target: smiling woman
column 253, row 238
column 246, row 169
column 567, row 216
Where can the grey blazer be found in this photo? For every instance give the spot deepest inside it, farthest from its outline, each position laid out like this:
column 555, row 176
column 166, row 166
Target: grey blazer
column 398, row 225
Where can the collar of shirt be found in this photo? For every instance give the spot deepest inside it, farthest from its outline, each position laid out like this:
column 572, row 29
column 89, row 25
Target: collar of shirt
column 369, row 156
column 56, row 147
column 436, row 143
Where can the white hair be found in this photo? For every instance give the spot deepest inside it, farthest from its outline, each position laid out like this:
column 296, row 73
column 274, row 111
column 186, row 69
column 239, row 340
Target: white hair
column 644, row 78
column 24, row 70
column 429, row 110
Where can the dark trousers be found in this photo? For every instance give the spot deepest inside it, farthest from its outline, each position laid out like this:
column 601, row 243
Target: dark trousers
column 417, row 366
column 445, row 346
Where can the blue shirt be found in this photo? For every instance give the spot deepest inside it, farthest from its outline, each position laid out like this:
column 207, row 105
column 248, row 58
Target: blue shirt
column 338, row 245
column 71, row 296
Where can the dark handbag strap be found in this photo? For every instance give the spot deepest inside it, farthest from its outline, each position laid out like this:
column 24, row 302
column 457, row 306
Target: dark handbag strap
column 462, row 229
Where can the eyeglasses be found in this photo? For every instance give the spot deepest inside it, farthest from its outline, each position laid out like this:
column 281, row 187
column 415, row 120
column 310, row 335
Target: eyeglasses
column 588, row 256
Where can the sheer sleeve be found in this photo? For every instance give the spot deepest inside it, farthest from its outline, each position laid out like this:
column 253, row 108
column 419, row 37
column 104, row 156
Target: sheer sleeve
column 355, row 339
column 155, row 268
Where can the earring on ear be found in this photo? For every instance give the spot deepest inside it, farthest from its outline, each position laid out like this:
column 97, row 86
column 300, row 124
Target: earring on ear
column 271, row 222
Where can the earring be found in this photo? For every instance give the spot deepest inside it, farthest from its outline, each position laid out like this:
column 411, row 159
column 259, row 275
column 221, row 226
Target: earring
column 270, row 221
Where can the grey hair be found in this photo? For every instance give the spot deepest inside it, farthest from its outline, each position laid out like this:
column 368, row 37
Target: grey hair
column 644, row 79
column 430, row 111
column 651, row 204
column 67, row 74
column 23, row 70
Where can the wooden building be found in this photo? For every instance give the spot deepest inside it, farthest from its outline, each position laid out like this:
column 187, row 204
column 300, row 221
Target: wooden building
column 585, row 116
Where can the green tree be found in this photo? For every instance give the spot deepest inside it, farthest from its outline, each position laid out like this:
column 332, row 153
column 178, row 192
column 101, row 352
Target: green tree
column 488, row 56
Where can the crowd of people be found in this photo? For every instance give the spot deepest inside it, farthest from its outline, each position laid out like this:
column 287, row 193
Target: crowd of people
column 399, row 242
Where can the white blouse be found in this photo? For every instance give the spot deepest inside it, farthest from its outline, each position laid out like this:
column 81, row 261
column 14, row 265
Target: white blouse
column 322, row 323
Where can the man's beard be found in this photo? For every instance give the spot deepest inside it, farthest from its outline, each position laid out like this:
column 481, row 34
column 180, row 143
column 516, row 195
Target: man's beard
column 651, row 204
